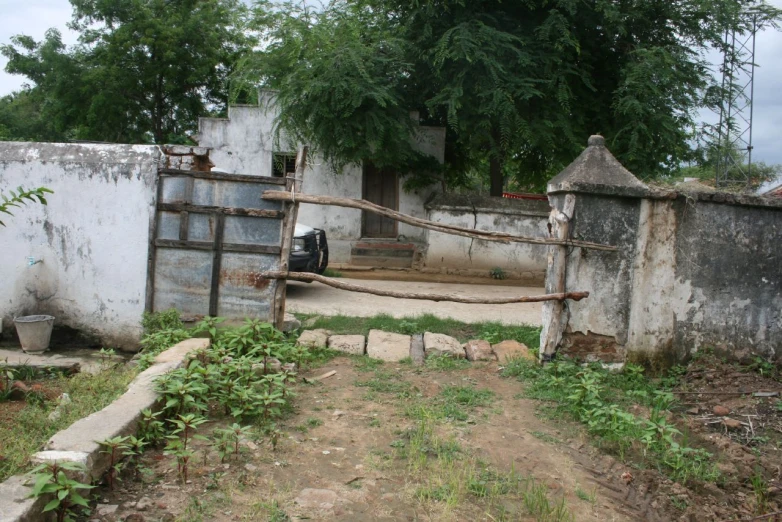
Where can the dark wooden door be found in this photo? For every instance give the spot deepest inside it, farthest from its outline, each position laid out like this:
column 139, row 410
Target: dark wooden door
column 382, row 188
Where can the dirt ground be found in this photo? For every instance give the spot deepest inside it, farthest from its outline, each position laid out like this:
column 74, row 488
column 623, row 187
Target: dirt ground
column 316, row 298
column 348, row 442
column 349, row 452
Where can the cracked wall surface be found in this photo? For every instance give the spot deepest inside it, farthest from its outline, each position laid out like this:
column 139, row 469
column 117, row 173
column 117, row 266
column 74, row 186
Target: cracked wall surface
column 92, row 237
column 691, row 274
column 694, row 269
column 520, row 217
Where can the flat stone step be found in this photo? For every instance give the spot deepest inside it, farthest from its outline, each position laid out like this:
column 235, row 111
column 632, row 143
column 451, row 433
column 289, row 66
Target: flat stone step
column 88, row 360
column 383, row 254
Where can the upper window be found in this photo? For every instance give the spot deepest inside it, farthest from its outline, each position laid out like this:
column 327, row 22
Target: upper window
column 283, row 163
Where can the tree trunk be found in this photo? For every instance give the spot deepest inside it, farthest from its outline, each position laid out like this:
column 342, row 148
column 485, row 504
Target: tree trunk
column 495, row 164
column 495, row 175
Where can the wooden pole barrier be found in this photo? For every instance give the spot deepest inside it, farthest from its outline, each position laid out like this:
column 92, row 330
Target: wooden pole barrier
column 293, row 185
column 501, row 237
column 307, row 277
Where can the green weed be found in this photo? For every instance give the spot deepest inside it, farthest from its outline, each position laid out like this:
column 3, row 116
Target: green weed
column 341, row 324
column 445, row 363
column 600, row 399
column 386, row 382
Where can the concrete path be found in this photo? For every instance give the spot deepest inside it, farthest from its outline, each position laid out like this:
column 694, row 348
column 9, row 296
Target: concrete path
column 316, row 298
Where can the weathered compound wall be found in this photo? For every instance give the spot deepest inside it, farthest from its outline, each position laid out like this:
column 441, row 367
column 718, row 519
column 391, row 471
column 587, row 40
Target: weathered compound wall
column 461, row 254
column 695, row 270
column 92, row 238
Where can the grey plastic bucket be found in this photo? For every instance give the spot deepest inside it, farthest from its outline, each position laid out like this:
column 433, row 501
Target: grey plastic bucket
column 35, row 332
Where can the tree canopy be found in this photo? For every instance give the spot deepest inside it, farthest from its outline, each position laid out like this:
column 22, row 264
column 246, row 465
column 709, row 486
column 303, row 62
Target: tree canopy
column 143, row 71
column 520, row 85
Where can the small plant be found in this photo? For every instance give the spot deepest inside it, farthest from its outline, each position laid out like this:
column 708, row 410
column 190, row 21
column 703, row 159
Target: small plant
column 409, row 327
column 273, row 433
column 115, row 448
column 586, row 497
column 760, row 488
column 497, row 273
column 106, row 354
column 50, row 479
column 160, row 321
column 185, row 425
column 233, row 435
column 150, row 428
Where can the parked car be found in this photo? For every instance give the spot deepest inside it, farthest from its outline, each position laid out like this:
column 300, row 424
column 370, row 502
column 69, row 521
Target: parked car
column 310, row 251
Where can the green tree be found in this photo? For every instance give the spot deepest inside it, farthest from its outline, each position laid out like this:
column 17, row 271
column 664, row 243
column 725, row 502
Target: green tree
column 21, row 120
column 520, row 85
column 143, row 70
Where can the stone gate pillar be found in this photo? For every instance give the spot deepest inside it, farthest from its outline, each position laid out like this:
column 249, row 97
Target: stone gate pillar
column 606, row 204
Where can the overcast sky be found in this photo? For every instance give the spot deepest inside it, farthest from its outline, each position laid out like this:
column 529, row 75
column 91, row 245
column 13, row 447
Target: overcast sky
column 34, row 17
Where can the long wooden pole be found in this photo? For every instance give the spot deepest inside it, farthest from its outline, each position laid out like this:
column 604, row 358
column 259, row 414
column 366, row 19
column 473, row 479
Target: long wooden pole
column 288, row 229
column 307, row 277
column 276, row 195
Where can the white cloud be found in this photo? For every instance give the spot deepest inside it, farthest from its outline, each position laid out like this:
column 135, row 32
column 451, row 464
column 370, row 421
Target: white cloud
column 34, row 17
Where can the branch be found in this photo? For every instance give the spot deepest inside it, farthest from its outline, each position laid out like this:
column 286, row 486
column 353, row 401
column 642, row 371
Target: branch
column 501, row 237
column 306, row 277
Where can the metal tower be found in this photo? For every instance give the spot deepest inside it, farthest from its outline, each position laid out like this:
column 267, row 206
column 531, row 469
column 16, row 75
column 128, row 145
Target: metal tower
column 734, row 134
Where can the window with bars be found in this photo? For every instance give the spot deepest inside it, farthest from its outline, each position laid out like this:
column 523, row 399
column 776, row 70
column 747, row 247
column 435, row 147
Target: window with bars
column 283, row 163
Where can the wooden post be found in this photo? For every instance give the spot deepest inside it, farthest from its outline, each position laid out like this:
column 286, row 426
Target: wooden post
column 291, row 209
column 556, row 274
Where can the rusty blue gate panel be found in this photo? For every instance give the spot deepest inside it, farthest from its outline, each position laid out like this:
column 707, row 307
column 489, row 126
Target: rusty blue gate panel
column 183, row 281
column 213, row 236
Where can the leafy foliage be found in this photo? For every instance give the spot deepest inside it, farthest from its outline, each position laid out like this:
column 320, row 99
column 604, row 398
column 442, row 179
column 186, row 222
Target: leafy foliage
column 51, row 480
column 20, row 197
column 143, row 71
column 245, row 374
column 599, row 399
column 519, row 85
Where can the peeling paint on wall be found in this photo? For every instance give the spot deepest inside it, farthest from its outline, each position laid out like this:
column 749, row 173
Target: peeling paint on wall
column 92, row 237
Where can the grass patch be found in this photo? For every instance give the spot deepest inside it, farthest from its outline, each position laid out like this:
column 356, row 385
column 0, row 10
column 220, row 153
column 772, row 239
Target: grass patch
column 454, row 403
column 601, row 400
column 330, row 272
column 366, row 364
column 386, row 382
column 585, row 496
column 32, row 427
column 545, row 437
column 446, row 476
column 445, row 363
column 490, row 331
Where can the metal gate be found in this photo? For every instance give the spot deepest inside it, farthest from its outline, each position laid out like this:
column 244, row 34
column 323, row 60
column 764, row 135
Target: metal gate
column 212, row 237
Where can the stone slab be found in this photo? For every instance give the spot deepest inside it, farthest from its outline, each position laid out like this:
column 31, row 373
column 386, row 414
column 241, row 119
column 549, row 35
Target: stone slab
column 508, row 350
column 417, row 353
column 386, row 346
column 441, row 344
column 79, row 440
column 290, row 323
column 314, row 338
column 350, row 344
column 88, row 360
column 15, row 506
column 319, row 499
column 479, row 350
